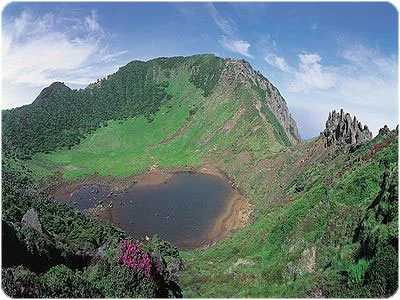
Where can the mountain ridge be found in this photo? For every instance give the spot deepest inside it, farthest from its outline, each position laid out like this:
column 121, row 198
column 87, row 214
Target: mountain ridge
column 140, row 80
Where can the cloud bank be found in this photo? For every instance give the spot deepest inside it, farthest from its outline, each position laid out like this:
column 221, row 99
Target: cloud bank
column 38, row 50
column 363, row 82
column 229, row 40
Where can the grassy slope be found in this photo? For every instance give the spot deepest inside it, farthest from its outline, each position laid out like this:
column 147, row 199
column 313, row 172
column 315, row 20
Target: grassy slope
column 130, row 146
column 256, row 261
column 126, row 147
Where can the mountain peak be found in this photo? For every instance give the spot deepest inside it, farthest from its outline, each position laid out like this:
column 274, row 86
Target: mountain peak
column 243, row 71
column 53, row 88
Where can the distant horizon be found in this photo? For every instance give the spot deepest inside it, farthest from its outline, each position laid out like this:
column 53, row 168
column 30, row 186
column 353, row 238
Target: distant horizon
column 320, row 56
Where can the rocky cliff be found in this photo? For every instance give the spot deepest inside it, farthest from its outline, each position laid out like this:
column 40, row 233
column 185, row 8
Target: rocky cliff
column 341, row 129
column 242, row 70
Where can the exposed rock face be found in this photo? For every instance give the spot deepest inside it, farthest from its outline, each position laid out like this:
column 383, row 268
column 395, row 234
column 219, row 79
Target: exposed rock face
column 384, row 131
column 31, row 219
column 299, row 187
column 308, row 260
column 242, row 70
column 341, row 129
column 174, row 268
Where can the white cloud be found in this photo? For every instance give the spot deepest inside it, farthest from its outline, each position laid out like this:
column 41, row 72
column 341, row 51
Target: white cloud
column 91, row 21
column 30, row 62
column 222, row 23
column 238, row 46
column 5, row 43
column 364, row 84
column 112, row 56
column 370, row 58
column 229, row 41
column 21, row 23
column 278, row 62
column 310, row 74
column 37, row 50
column 307, row 59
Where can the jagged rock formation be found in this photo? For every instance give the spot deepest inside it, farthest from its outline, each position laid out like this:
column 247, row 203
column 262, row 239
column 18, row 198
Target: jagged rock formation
column 31, row 219
column 384, row 130
column 341, row 130
column 242, row 70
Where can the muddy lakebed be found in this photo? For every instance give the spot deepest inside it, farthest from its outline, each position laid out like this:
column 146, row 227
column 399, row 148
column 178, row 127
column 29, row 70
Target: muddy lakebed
column 189, row 210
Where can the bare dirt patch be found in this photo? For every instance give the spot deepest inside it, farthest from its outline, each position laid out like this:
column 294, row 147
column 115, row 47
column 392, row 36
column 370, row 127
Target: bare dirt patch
column 178, row 133
column 232, row 121
column 380, row 146
column 236, row 216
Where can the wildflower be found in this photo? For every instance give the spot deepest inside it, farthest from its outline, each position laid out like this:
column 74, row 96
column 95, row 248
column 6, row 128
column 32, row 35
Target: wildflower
column 132, row 255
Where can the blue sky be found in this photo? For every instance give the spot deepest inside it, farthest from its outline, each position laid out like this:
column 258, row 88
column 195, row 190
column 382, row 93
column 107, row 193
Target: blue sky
column 321, row 56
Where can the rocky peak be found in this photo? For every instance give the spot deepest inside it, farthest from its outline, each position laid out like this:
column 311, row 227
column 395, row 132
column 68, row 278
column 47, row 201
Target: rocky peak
column 341, row 130
column 384, row 130
column 241, row 70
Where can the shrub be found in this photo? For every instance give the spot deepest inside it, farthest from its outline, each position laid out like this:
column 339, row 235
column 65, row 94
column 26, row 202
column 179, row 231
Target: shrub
column 382, row 275
column 357, row 272
column 19, row 282
column 132, row 255
column 129, row 269
column 165, row 248
column 62, row 282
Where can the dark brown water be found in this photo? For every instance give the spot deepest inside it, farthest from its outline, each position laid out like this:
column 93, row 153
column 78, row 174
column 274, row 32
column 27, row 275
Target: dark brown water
column 182, row 211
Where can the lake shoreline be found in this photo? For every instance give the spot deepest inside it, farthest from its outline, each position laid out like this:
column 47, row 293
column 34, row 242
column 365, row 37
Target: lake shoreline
column 237, row 214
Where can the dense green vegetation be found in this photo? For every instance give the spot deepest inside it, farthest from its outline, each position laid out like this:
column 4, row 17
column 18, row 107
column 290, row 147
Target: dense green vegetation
column 65, row 260
column 328, row 228
column 134, row 141
column 205, row 72
column 55, row 119
column 137, row 144
column 333, row 238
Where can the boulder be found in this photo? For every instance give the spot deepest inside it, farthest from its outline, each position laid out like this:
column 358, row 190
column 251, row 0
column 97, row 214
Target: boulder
column 31, row 219
column 101, row 251
column 384, row 131
column 174, row 268
column 299, row 187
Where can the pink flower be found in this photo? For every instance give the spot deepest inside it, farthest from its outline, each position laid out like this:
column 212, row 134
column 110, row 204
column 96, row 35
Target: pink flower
column 135, row 258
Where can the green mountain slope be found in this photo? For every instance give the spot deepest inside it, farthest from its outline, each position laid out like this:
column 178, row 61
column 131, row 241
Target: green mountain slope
column 60, row 117
column 325, row 222
column 330, row 239
column 185, row 131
